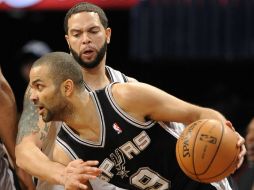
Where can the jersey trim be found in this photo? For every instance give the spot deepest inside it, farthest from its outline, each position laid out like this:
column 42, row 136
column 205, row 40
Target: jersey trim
column 124, row 115
column 173, row 128
column 116, row 76
column 68, row 150
column 101, row 141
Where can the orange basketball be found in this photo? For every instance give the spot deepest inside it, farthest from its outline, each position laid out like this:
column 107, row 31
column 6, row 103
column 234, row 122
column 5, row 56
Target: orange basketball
column 207, row 151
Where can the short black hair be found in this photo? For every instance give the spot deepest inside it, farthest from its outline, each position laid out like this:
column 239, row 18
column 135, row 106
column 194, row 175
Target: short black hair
column 62, row 66
column 85, row 7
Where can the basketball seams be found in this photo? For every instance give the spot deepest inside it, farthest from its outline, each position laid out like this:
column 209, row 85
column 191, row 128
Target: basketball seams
column 193, row 149
column 229, row 165
column 180, row 159
column 217, row 149
column 224, row 171
column 195, row 166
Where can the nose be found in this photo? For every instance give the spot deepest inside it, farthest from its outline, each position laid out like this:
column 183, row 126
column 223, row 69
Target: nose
column 85, row 38
column 33, row 96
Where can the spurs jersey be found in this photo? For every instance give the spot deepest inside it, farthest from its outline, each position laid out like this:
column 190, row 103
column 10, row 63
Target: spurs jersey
column 132, row 154
column 114, row 76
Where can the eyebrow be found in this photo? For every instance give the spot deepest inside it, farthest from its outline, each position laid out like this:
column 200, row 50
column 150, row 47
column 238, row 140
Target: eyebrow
column 80, row 29
column 36, row 81
column 75, row 30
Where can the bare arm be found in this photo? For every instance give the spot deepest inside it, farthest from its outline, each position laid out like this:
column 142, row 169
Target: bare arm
column 77, row 172
column 130, row 79
column 8, row 129
column 8, row 117
column 144, row 101
column 32, row 133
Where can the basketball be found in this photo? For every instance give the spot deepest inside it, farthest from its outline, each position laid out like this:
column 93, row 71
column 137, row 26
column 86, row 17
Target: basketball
column 207, row 151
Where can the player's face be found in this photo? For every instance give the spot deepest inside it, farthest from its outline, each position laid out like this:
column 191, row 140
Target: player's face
column 47, row 98
column 87, row 39
column 250, row 142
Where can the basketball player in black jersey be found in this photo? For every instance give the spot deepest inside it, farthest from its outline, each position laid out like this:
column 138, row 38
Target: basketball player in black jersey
column 87, row 34
column 117, row 126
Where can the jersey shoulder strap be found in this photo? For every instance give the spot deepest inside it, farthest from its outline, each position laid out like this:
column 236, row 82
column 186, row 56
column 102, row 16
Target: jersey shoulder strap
column 115, row 75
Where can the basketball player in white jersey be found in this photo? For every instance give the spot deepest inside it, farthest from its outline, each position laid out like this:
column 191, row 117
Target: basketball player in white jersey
column 87, row 34
column 117, row 126
column 8, row 131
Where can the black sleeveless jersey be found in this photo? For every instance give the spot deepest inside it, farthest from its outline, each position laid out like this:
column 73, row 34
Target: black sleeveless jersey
column 132, row 154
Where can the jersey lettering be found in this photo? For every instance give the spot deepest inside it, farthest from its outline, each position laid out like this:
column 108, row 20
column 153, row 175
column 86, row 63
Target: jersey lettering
column 142, row 140
column 145, row 178
column 129, row 148
column 106, row 166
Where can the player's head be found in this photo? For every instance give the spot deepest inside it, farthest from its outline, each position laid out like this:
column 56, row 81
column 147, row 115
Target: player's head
column 53, row 79
column 87, row 34
column 250, row 142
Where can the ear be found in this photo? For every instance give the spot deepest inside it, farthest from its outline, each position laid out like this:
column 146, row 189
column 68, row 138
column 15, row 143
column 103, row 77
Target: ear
column 108, row 35
column 67, row 39
column 67, row 87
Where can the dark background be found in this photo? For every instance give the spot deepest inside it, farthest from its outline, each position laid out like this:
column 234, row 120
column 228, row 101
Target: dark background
column 200, row 52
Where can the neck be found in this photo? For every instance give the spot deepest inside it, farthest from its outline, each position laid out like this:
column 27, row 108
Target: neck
column 96, row 78
column 83, row 119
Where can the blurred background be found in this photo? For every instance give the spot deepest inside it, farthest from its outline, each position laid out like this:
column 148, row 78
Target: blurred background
column 201, row 51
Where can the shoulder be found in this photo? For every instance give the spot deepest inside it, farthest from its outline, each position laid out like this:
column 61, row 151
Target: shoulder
column 130, row 88
column 129, row 93
column 118, row 76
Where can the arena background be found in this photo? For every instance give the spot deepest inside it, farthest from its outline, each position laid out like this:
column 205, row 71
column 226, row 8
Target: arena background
column 200, row 51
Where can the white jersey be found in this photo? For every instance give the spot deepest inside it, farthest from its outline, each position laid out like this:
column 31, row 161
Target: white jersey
column 6, row 175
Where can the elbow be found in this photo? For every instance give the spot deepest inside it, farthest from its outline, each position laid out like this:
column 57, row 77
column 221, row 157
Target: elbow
column 22, row 156
column 19, row 155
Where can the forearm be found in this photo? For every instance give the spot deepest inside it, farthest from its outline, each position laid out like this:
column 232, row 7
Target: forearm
column 31, row 159
column 8, row 117
column 8, row 132
column 211, row 114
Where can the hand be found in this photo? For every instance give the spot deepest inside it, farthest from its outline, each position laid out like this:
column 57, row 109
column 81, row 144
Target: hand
column 240, row 144
column 230, row 125
column 242, row 147
column 78, row 172
column 25, row 180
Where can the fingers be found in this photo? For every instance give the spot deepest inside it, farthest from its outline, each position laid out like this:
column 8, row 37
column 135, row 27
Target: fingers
column 81, row 167
column 75, row 162
column 241, row 156
column 84, row 170
column 75, row 185
column 91, row 163
column 243, row 151
column 78, row 172
column 230, row 125
column 78, row 162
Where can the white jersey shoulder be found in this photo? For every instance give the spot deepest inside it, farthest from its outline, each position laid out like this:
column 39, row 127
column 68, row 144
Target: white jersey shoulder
column 115, row 75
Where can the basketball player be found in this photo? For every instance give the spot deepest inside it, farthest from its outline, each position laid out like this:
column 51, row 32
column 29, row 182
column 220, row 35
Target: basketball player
column 116, row 126
column 8, row 132
column 87, row 34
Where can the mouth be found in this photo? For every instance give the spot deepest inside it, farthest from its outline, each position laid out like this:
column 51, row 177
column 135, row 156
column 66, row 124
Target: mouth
column 88, row 53
column 40, row 109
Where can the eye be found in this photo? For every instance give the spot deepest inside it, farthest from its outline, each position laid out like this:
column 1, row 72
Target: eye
column 76, row 35
column 39, row 87
column 94, row 31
